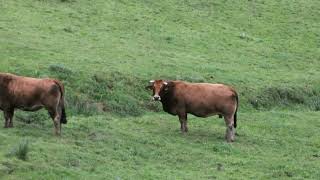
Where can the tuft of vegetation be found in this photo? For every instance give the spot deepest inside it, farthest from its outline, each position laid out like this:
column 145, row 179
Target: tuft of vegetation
column 59, row 68
column 21, row 150
column 60, row 71
column 314, row 103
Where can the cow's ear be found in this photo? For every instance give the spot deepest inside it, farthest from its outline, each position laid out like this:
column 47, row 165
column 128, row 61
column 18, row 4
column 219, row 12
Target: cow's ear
column 166, row 87
column 150, row 86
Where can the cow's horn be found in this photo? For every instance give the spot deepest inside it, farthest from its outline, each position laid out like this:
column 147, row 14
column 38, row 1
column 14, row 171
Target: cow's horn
column 165, row 83
column 151, row 81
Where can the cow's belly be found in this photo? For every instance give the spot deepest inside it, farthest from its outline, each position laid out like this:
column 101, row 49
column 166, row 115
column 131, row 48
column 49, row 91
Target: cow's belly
column 203, row 114
column 32, row 108
column 29, row 106
column 202, row 111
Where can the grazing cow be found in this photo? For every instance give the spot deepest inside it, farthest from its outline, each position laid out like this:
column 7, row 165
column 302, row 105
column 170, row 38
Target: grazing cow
column 200, row 99
column 31, row 94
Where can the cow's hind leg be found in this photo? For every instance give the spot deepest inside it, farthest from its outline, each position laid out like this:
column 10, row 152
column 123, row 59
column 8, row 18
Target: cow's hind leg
column 230, row 132
column 55, row 114
column 56, row 121
column 51, row 103
column 8, row 115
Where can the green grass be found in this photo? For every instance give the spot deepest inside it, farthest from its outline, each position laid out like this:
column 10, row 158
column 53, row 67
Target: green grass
column 105, row 52
column 21, row 151
column 270, row 145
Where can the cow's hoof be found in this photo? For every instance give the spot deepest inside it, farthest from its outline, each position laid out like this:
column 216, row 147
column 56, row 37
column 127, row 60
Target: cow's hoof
column 184, row 131
column 229, row 139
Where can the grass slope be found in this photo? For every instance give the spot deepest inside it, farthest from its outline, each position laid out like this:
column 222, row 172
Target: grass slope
column 106, row 51
column 269, row 145
column 251, row 45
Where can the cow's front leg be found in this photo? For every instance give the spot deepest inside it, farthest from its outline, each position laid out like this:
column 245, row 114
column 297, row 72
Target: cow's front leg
column 6, row 121
column 11, row 119
column 8, row 115
column 183, row 122
column 186, row 125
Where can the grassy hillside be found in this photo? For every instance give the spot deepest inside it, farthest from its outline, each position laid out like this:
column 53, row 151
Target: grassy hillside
column 270, row 145
column 105, row 52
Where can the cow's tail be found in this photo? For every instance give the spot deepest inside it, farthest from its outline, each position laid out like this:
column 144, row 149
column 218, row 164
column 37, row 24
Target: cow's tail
column 235, row 114
column 63, row 119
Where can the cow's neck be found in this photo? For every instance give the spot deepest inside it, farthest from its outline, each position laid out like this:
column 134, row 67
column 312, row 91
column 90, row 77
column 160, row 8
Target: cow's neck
column 168, row 100
column 5, row 78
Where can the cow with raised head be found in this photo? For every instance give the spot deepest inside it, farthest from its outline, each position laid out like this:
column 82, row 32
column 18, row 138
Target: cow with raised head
column 31, row 94
column 200, row 99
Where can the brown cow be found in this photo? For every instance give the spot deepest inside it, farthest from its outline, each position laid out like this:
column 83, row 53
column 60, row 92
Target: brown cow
column 31, row 94
column 200, row 99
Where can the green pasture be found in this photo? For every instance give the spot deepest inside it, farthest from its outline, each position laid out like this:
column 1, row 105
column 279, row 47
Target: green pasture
column 106, row 51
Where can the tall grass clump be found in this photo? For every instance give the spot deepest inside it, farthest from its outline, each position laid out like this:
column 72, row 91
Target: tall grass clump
column 60, row 71
column 314, row 103
column 21, row 150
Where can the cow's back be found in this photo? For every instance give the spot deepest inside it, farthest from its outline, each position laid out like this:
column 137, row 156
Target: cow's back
column 25, row 92
column 205, row 99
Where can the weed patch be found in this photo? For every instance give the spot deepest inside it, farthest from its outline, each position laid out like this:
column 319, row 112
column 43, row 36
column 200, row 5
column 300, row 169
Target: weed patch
column 60, row 71
column 21, row 150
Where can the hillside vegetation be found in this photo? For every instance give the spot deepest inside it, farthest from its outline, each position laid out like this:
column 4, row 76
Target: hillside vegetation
column 106, row 51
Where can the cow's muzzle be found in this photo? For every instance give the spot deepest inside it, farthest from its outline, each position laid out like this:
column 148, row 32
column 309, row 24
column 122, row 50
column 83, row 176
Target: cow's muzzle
column 156, row 98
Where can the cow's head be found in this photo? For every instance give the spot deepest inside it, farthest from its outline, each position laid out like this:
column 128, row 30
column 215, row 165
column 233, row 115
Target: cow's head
column 158, row 87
